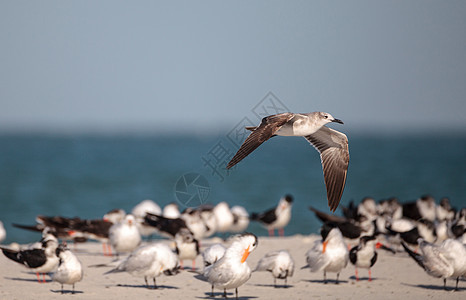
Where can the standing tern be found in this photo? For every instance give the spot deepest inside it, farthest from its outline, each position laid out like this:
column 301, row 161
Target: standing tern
column 149, row 261
column 213, row 253
column 331, row 144
column 447, row 260
column 125, row 236
column 232, row 271
column 329, row 254
column 279, row 263
column 69, row 269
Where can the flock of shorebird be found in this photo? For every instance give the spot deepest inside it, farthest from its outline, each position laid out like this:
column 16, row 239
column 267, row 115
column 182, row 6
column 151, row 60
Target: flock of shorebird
column 123, row 233
column 432, row 234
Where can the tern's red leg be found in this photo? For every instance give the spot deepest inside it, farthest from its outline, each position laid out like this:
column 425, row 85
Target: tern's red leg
column 43, row 277
column 370, row 275
column 281, row 232
column 271, row 232
column 38, row 277
column 356, row 271
column 181, row 265
column 194, row 264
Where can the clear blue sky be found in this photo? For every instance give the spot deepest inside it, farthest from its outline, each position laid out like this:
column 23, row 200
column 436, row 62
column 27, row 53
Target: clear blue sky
column 197, row 65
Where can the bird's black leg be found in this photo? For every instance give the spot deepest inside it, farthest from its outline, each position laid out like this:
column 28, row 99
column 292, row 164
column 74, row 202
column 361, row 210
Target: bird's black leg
column 286, row 284
column 325, row 277
column 73, row 289
column 155, row 284
column 338, row 275
column 62, row 288
column 457, row 279
column 445, row 284
column 274, row 282
column 236, row 292
column 225, row 293
column 212, row 292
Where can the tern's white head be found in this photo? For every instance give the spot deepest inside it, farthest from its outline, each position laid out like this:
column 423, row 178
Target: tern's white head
column 242, row 246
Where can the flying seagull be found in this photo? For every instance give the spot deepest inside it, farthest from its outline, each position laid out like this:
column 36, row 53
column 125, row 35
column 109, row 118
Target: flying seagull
column 331, row 144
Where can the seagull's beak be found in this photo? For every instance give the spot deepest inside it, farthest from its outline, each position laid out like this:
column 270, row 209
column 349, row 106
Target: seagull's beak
column 337, row 121
column 324, row 246
column 245, row 255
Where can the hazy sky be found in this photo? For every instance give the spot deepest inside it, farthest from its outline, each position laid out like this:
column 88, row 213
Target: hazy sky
column 196, row 65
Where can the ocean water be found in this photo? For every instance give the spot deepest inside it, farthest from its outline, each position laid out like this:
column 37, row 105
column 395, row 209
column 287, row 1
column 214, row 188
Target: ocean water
column 88, row 175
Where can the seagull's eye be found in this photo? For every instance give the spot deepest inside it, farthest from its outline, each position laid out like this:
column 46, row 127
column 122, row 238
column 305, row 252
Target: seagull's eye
column 326, row 117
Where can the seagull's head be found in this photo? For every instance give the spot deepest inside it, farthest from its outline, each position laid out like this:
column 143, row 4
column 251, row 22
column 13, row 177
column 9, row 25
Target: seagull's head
column 328, row 118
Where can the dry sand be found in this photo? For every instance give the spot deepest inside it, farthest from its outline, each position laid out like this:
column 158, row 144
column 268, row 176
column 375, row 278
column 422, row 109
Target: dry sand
column 395, row 276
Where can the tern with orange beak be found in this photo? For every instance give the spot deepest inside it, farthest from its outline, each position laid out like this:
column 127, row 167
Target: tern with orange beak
column 329, row 254
column 331, row 144
column 232, row 271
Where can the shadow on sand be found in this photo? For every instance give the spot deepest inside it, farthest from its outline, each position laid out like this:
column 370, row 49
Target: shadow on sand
column 70, row 292
column 229, row 296
column 278, row 286
column 435, row 287
column 329, row 281
column 27, row 279
column 143, row 286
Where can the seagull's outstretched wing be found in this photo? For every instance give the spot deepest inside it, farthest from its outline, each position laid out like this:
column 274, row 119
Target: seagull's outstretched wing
column 333, row 148
column 268, row 127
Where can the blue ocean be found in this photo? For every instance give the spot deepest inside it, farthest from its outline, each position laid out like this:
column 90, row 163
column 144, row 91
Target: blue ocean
column 87, row 175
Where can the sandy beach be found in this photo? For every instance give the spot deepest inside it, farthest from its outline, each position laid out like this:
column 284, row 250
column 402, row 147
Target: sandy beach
column 394, row 276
